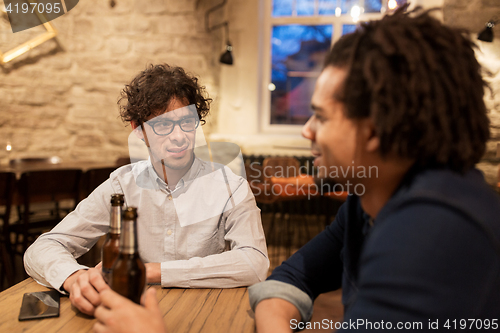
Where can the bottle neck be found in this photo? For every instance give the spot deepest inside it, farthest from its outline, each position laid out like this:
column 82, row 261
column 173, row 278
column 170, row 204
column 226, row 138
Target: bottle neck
column 128, row 243
column 116, row 219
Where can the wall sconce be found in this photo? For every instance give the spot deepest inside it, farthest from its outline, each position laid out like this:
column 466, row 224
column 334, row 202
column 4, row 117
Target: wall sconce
column 227, row 56
column 486, row 35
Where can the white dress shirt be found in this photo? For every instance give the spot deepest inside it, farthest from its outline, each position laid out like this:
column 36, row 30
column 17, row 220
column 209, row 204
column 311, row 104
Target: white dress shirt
column 185, row 229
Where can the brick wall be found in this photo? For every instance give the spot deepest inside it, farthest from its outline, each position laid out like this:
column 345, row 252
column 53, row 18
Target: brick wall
column 472, row 15
column 60, row 98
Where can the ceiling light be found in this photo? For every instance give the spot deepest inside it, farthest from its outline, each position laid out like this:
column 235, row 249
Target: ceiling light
column 355, row 12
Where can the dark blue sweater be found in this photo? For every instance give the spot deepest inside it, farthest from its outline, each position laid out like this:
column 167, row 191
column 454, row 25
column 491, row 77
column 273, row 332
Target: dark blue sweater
column 433, row 253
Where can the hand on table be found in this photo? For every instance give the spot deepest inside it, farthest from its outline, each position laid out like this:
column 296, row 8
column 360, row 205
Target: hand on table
column 84, row 287
column 153, row 272
column 118, row 314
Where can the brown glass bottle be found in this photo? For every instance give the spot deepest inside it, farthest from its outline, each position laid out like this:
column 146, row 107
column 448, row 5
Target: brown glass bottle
column 128, row 275
column 111, row 246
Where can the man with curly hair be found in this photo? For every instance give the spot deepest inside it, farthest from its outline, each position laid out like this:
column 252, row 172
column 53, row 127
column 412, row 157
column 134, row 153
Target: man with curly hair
column 189, row 210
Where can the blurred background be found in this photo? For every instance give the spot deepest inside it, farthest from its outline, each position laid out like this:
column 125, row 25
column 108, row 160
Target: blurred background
column 59, row 99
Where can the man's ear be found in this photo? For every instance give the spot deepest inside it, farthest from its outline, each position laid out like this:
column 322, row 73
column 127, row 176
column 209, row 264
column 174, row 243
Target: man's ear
column 133, row 124
column 137, row 129
column 372, row 141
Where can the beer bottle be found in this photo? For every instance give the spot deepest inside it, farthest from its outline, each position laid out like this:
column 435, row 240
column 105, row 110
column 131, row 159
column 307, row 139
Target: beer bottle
column 128, row 276
column 111, row 246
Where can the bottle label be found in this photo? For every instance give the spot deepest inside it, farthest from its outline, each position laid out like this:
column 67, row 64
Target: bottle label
column 116, row 218
column 128, row 239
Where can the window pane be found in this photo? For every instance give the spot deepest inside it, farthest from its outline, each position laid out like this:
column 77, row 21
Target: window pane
column 401, row 2
column 348, row 28
column 327, row 7
column 373, row 6
column 305, row 7
column 298, row 52
column 282, row 7
column 346, row 5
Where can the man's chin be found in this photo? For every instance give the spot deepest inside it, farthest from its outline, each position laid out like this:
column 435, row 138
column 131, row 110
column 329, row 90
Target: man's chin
column 326, row 184
column 175, row 166
column 325, row 181
column 178, row 164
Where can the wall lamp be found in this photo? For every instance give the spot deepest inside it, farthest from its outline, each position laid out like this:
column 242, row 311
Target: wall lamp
column 227, row 56
column 486, row 35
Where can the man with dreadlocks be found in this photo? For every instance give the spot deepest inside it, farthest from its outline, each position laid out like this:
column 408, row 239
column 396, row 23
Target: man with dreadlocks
column 420, row 249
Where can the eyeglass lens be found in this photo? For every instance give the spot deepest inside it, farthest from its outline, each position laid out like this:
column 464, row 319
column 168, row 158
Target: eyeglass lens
column 165, row 127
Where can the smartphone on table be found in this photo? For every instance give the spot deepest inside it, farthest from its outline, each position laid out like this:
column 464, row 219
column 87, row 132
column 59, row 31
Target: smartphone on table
column 41, row 304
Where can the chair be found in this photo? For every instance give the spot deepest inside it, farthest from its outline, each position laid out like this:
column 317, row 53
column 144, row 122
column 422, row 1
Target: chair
column 92, row 178
column 7, row 182
column 33, row 163
column 121, row 161
column 282, row 167
column 498, row 179
column 288, row 198
column 47, row 186
column 293, row 193
column 260, row 189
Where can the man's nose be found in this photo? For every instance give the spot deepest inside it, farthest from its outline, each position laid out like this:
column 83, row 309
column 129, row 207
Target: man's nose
column 308, row 130
column 177, row 133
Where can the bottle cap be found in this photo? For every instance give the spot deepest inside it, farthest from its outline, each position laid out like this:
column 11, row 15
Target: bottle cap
column 130, row 213
column 117, row 199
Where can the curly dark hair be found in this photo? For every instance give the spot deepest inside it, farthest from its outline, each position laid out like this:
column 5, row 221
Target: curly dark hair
column 421, row 84
column 151, row 91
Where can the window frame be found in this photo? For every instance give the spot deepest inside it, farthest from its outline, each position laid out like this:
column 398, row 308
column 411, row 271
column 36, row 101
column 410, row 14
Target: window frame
column 268, row 22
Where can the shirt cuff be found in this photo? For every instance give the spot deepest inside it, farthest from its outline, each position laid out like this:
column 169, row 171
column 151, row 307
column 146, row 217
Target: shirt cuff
column 175, row 273
column 277, row 289
column 61, row 276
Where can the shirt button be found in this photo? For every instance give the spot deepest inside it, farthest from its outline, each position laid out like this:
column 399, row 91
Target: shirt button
column 169, row 232
column 169, row 197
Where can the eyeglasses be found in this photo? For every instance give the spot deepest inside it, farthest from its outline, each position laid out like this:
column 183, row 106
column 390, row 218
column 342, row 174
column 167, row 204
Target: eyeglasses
column 165, row 127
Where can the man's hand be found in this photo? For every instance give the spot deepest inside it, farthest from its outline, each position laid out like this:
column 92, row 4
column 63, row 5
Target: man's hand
column 153, row 272
column 84, row 287
column 118, row 314
column 274, row 315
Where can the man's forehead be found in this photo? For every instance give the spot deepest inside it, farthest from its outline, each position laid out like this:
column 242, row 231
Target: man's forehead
column 330, row 85
column 189, row 110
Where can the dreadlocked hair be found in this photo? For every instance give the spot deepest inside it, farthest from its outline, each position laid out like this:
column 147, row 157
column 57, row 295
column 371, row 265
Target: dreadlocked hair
column 421, row 84
column 152, row 90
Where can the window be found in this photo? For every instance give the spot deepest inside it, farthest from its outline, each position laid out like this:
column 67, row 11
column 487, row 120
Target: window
column 297, row 36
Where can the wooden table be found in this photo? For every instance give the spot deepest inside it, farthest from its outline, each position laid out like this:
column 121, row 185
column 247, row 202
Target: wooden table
column 184, row 310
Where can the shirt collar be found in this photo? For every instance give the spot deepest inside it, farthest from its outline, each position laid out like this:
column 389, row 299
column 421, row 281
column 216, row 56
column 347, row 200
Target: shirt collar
column 160, row 184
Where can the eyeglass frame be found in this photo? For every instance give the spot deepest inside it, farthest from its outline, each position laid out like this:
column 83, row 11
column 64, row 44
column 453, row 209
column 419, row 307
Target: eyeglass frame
column 152, row 124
